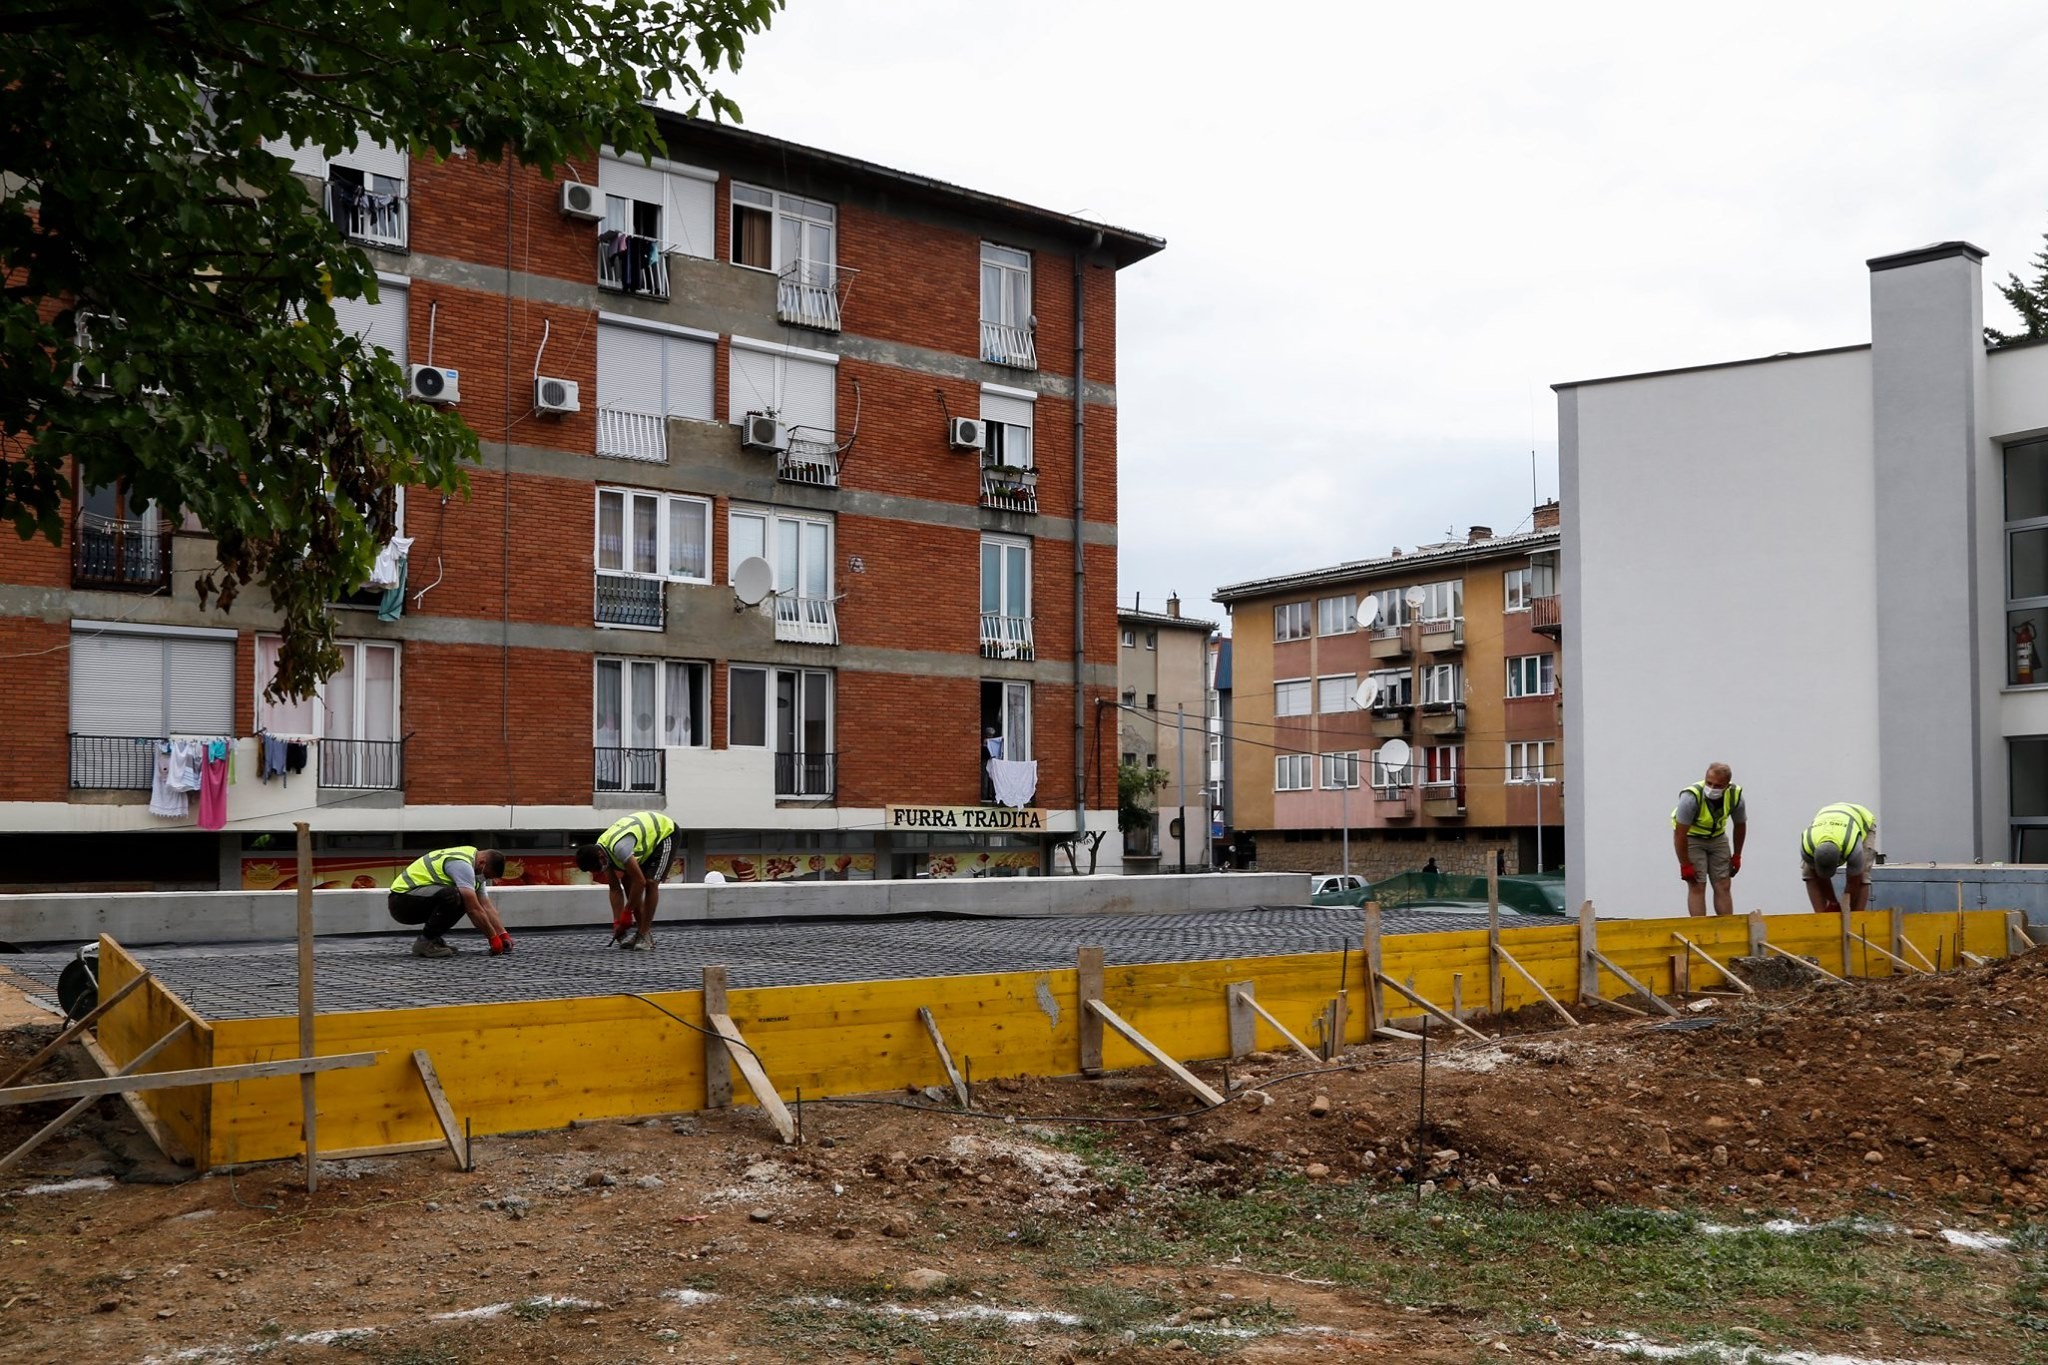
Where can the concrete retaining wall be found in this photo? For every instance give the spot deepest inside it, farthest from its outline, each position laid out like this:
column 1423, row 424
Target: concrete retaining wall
column 144, row 918
column 1932, row 886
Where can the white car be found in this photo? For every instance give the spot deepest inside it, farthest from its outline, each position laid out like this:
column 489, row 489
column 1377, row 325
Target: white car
column 1338, row 884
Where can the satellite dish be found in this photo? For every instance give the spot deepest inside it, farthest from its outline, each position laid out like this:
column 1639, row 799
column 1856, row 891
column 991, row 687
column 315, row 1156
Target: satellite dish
column 1415, row 597
column 1368, row 613
column 1368, row 694
column 753, row 579
column 1394, row 755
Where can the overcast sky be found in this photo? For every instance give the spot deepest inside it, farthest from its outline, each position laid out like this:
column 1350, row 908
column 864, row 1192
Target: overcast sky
column 1391, row 228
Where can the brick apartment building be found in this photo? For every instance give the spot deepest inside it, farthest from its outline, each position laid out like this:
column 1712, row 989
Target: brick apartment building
column 1456, row 645
column 752, row 349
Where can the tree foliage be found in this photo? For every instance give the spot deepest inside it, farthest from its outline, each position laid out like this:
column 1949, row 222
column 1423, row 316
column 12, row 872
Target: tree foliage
column 1136, row 787
column 135, row 188
column 2030, row 301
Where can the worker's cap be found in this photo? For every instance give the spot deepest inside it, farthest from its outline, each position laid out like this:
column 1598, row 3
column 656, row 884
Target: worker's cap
column 1827, row 856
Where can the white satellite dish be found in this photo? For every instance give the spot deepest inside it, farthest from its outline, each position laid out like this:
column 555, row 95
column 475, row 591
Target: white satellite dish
column 1368, row 694
column 1368, row 613
column 1415, row 597
column 753, row 579
column 1394, row 756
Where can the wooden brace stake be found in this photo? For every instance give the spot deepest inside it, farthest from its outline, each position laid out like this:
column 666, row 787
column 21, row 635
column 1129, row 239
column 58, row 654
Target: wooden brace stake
column 757, row 1079
column 717, row 1060
column 29, row 1067
column 458, row 1145
column 63, row 1120
column 2016, row 934
column 1703, row 956
column 1151, row 1049
column 1414, row 999
column 149, row 1123
column 1811, row 966
column 1243, row 996
column 1889, row 955
column 1088, row 988
column 1914, row 949
column 1398, row 1034
column 174, row 1080
column 931, row 1026
column 1601, row 959
column 1503, row 955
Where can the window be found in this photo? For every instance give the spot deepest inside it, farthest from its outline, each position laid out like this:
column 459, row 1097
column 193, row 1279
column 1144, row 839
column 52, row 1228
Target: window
column 365, row 194
column 1396, row 688
column 1530, row 760
column 1333, row 693
column 2026, row 563
column 1515, row 590
column 1543, row 575
column 1441, row 764
column 358, row 702
column 1393, row 610
column 1532, row 675
column 1291, row 698
column 1006, row 709
column 2029, row 779
column 651, row 704
column 668, row 202
column 1006, row 598
column 780, row 232
column 670, row 535
column 380, row 325
column 1007, row 417
column 1340, row 771
column 799, row 387
column 1130, row 760
column 1336, row 615
column 138, row 684
column 1390, row 779
column 1131, row 698
column 1151, row 701
column 799, row 548
column 116, row 544
column 1291, row 773
column 1130, row 639
column 1006, row 323
column 644, row 377
column 1443, row 684
column 1290, row 621
column 1151, row 639
column 1443, row 601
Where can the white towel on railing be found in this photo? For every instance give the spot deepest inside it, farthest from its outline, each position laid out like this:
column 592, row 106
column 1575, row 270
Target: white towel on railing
column 384, row 573
column 1015, row 782
column 165, row 799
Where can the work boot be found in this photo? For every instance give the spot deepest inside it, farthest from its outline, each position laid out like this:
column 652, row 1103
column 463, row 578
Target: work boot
column 642, row 943
column 431, row 947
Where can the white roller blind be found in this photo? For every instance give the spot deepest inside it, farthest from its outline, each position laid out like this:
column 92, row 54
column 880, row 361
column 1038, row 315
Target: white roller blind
column 628, row 369
column 807, row 396
column 201, row 699
column 690, row 214
column 633, row 179
column 373, row 158
column 690, row 366
column 380, row 324
column 753, row 383
column 117, row 685
column 1000, row 407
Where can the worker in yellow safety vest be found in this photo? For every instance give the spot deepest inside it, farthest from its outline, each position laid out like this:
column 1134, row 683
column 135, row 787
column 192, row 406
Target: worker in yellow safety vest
column 633, row 856
column 1699, row 835
column 440, row 888
column 1843, row 836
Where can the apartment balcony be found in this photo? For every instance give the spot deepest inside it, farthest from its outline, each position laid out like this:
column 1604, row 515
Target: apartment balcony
column 624, row 435
column 808, row 461
column 1443, row 637
column 630, row 601
column 1442, row 718
column 1391, row 722
column 362, row 764
column 804, row 620
column 1545, row 616
column 809, row 294
column 1009, row 488
column 1003, row 344
column 1444, row 800
column 113, row 762
column 1005, row 637
column 124, row 554
column 631, row 264
column 629, row 770
column 805, row 775
column 1393, row 803
column 1390, row 642
column 366, row 216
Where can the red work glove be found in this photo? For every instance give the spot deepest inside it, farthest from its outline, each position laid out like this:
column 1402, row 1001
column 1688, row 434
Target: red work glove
column 1735, row 864
column 1686, row 873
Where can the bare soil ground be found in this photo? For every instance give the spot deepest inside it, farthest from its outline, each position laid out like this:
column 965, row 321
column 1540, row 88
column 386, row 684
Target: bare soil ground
column 1553, row 1193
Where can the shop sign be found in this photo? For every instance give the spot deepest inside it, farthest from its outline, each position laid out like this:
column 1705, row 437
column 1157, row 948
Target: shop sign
column 973, row 819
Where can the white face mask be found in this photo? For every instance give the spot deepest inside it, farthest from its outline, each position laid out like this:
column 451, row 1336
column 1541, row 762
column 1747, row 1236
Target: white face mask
column 1715, row 793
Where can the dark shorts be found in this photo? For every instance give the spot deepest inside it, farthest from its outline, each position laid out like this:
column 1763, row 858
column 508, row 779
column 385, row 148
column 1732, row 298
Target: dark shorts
column 435, row 909
column 655, row 865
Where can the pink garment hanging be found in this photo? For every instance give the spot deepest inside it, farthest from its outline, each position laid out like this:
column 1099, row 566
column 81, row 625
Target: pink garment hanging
column 213, row 794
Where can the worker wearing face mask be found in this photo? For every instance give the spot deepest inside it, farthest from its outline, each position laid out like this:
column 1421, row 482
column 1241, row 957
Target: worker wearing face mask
column 1699, row 836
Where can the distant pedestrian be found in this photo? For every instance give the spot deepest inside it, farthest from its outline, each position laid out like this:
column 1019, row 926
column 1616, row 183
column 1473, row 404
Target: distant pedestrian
column 1699, row 836
column 437, row 890
column 1841, row 836
column 1429, row 878
column 633, row 856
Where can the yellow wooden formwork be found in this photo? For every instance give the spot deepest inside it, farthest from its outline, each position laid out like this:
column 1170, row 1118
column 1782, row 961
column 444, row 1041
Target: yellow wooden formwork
column 131, row 1027
column 535, row 1065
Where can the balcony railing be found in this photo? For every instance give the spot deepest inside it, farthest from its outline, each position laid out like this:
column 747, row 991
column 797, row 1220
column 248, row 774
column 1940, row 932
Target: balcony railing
column 1003, row 344
column 805, row 774
column 804, row 620
column 1443, row 799
column 630, row 770
column 365, row 215
column 808, row 461
column 625, row 435
column 1545, row 618
column 627, row 600
column 1005, row 637
column 113, row 762
column 132, row 554
column 809, row 293
column 631, row 264
column 1008, row 488
column 363, row 764
column 1439, row 637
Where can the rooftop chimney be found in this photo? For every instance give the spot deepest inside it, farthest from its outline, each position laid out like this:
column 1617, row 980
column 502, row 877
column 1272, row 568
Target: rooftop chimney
column 1546, row 515
column 1477, row 534
column 1173, row 606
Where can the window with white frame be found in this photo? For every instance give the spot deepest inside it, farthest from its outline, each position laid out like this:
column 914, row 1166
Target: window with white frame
column 1441, row 764
column 1515, row 590
column 1444, row 601
column 1291, row 772
column 1005, row 286
column 1396, row 688
column 1443, row 684
column 653, row 535
column 1337, row 615
column 644, row 377
column 1529, row 760
column 1290, row 621
column 1340, row 770
column 1532, row 675
column 380, row 325
column 1006, row 709
column 788, row 711
column 365, row 190
column 1130, row 639
column 357, row 701
column 1006, row 597
column 1291, row 698
column 650, row 704
column 1334, row 693
column 799, row 387
column 1007, row 417
column 2026, row 563
column 1393, row 612
column 799, row 547
column 781, row 232
column 665, row 201
column 1389, row 778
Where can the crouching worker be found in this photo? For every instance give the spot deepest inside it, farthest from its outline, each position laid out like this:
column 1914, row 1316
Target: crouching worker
column 440, row 888
column 633, row 856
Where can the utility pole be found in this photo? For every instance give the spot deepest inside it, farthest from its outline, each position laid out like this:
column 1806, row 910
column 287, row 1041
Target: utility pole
column 1180, row 775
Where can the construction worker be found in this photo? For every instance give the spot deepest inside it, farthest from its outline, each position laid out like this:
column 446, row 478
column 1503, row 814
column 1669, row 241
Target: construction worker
column 1699, row 835
column 440, row 888
column 1843, row 836
column 634, row 855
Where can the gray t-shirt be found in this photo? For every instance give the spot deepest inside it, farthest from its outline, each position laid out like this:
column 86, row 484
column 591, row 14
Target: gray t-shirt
column 1689, row 809
column 622, row 849
column 462, row 873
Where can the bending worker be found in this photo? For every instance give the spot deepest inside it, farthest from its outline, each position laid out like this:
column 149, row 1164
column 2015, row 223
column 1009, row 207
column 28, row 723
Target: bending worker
column 1699, row 835
column 634, row 855
column 440, row 888
column 1844, row 836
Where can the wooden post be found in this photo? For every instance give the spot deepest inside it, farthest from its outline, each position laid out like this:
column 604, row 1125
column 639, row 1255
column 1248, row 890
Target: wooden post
column 1757, row 936
column 757, row 1076
column 717, row 1056
column 1458, row 994
column 931, row 1026
column 1898, row 928
column 1375, row 1007
column 1589, row 944
column 1536, row 986
column 1495, row 1000
column 1848, row 935
column 1244, row 1025
column 1340, row 1020
column 1088, row 985
column 306, row 1048
column 1681, row 973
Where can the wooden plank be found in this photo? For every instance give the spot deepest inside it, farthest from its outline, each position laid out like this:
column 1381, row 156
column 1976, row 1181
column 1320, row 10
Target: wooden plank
column 1810, row 966
column 306, row 1047
column 717, row 1057
column 387, row 1149
column 1842, row 920
column 1398, row 1034
column 1505, row 956
column 1088, row 983
column 1589, row 943
column 63, row 1120
column 1701, row 954
column 1254, row 1007
column 757, row 1079
column 1615, row 1005
column 1758, row 936
column 1244, row 1021
column 1495, row 997
column 2015, row 921
column 167, row 1080
column 931, row 1026
column 172, row 1149
column 1898, row 933
column 1914, row 949
column 1889, row 955
column 458, row 1145
column 1150, row 1049
column 1600, row 959
column 1428, row 1008
column 71, row 1031
column 1375, row 1007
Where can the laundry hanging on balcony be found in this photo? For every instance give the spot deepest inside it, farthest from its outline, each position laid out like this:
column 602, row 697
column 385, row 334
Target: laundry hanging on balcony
column 213, row 784
column 629, row 260
column 1015, row 782
column 387, row 570
column 164, row 798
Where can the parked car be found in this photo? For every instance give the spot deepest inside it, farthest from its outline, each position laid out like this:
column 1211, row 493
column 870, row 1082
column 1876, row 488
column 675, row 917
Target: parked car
column 1338, row 888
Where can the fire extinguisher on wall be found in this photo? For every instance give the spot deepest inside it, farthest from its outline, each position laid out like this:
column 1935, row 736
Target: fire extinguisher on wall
column 2024, row 657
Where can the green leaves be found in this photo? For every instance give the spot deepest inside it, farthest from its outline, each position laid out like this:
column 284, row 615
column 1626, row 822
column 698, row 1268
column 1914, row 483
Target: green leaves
column 2030, row 301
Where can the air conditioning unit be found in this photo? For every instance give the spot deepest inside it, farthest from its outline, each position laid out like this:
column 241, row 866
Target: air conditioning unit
column 556, row 395
column 762, row 432
column 966, row 433
column 582, row 201
column 433, row 384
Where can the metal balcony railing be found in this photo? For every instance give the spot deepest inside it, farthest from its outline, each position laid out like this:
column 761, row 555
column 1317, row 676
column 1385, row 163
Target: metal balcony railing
column 1003, row 344
column 365, row 215
column 624, row 435
column 808, row 461
column 627, row 600
column 631, row 264
column 131, row 554
column 1008, row 488
column 1005, row 637
column 113, row 762
column 1443, row 798
column 803, row 774
column 804, row 620
column 630, row 770
column 363, row 764
column 809, row 294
